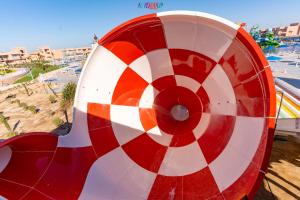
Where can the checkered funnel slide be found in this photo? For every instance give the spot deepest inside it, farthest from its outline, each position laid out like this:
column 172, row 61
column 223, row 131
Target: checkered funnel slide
column 173, row 105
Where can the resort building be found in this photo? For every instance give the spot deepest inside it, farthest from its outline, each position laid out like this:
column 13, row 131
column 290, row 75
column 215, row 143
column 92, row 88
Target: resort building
column 280, row 31
column 74, row 54
column 263, row 31
column 61, row 56
column 293, row 30
column 17, row 55
column 45, row 53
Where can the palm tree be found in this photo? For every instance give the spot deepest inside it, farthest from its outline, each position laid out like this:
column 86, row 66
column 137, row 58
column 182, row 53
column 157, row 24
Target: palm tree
column 67, row 99
column 254, row 32
column 265, row 40
column 3, row 120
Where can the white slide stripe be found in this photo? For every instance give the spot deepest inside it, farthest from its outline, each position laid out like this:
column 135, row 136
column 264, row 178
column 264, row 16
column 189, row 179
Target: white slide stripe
column 159, row 136
column 200, row 14
column 287, row 94
column 201, row 127
column 153, row 65
column 180, row 161
column 220, row 92
column 142, row 67
column 180, row 31
column 187, row 82
column 126, row 123
column 5, row 156
column 198, row 29
column 96, row 84
column 148, row 96
column 296, row 101
column 239, row 152
column 116, row 176
column 288, row 105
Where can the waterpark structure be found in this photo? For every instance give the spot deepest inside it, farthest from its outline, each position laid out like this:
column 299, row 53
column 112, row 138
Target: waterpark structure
column 173, row 105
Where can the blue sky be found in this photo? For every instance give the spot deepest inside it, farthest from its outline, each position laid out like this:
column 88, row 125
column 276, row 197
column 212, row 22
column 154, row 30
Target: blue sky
column 72, row 23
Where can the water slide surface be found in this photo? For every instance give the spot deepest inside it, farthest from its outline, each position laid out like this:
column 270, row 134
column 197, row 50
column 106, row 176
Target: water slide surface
column 173, row 105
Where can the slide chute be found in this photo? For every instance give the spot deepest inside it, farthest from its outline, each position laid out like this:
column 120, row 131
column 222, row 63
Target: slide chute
column 173, row 105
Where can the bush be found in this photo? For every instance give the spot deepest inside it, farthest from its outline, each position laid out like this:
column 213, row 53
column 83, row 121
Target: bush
column 57, row 121
column 23, row 105
column 68, row 94
column 37, row 67
column 33, row 109
column 10, row 96
column 15, row 101
column 52, row 99
column 18, row 102
column 51, row 113
column 11, row 134
column 4, row 120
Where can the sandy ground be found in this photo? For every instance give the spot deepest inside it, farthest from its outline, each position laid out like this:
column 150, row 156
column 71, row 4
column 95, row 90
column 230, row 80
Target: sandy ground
column 284, row 171
column 25, row 121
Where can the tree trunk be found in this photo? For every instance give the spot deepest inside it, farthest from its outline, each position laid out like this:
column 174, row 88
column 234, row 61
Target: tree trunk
column 67, row 119
column 51, row 89
column 66, row 115
column 26, row 89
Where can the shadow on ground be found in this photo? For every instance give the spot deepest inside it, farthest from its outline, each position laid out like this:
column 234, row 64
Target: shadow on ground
column 63, row 129
column 283, row 177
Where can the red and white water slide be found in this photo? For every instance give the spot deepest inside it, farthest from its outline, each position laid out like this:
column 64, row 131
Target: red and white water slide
column 173, row 105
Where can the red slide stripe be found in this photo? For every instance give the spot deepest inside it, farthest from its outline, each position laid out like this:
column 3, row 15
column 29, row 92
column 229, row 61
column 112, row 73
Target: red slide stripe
column 129, row 45
column 33, row 163
column 216, row 136
column 191, row 64
column 129, row 89
column 59, row 174
column 33, row 194
column 201, row 93
column 36, row 141
column 145, row 152
column 100, row 129
column 148, row 118
column 243, row 63
column 164, row 83
column 199, row 185
column 11, row 190
column 182, row 139
column 29, row 151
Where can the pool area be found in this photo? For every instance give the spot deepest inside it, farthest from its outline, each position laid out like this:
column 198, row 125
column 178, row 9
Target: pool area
column 291, row 81
column 273, row 58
